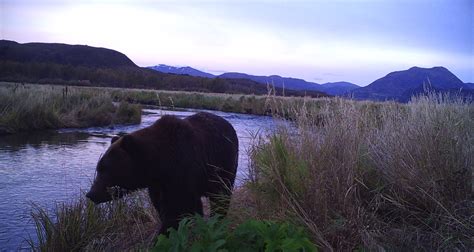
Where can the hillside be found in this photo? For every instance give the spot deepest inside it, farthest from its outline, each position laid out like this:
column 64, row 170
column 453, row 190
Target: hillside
column 401, row 85
column 91, row 66
column 75, row 55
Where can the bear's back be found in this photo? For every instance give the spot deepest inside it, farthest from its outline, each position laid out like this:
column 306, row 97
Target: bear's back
column 221, row 145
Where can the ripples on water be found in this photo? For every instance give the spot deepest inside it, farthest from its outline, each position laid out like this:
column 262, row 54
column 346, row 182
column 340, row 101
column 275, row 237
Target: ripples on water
column 55, row 166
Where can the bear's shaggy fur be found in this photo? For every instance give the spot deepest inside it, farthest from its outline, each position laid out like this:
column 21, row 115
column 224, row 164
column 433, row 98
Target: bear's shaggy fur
column 178, row 161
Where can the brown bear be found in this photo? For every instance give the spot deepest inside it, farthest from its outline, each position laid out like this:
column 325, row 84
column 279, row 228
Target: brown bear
column 177, row 160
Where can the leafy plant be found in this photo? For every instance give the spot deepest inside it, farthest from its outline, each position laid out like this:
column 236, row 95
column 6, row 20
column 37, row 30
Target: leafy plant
column 196, row 234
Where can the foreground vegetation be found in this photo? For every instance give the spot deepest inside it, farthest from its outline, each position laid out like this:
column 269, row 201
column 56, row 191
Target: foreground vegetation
column 26, row 108
column 389, row 177
column 354, row 175
column 201, row 235
column 127, row 224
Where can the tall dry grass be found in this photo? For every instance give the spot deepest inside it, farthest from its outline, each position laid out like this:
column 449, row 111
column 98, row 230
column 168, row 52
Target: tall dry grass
column 376, row 176
column 126, row 224
column 33, row 107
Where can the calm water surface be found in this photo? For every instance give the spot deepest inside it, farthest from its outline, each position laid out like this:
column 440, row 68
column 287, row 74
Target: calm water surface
column 46, row 168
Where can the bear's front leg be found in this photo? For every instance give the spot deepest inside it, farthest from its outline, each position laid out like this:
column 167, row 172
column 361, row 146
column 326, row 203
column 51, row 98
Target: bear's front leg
column 173, row 209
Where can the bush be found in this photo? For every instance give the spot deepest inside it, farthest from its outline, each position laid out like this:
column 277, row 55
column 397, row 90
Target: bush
column 197, row 234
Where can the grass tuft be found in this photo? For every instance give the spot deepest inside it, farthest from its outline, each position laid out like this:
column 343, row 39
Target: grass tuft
column 81, row 225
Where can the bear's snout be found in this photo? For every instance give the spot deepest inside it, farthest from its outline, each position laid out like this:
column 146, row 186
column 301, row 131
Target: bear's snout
column 98, row 198
column 98, row 193
column 90, row 196
column 93, row 197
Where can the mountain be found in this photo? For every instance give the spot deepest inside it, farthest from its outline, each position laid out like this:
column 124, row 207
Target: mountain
column 54, row 63
column 470, row 85
column 338, row 88
column 332, row 88
column 75, row 55
column 181, row 70
column 401, row 85
column 277, row 81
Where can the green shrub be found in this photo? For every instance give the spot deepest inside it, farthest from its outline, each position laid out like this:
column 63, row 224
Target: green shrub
column 197, row 234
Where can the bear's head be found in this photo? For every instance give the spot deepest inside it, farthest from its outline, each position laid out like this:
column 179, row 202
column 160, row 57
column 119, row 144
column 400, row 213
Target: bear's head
column 118, row 171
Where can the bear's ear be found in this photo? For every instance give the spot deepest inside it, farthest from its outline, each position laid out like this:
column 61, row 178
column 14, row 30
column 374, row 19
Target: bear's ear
column 114, row 138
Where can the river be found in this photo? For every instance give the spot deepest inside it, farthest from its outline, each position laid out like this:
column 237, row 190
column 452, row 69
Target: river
column 49, row 167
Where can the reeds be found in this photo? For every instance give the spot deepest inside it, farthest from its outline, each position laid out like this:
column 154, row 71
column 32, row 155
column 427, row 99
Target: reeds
column 29, row 107
column 128, row 223
column 361, row 175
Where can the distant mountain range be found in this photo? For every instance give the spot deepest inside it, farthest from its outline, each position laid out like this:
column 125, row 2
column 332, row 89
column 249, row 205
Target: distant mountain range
column 338, row 88
column 398, row 86
column 54, row 63
column 181, row 70
column 92, row 66
column 334, row 88
column 402, row 85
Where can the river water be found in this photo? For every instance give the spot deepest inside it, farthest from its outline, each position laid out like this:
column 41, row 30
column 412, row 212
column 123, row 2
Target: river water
column 50, row 167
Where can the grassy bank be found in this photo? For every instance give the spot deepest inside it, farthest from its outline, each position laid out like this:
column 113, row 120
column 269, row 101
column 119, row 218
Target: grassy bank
column 355, row 175
column 245, row 104
column 31, row 107
column 397, row 178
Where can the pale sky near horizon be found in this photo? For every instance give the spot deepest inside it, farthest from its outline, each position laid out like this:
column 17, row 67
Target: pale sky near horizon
column 320, row 41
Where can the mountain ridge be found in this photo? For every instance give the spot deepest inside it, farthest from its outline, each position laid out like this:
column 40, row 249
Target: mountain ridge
column 55, row 63
column 75, row 55
column 288, row 83
column 186, row 70
column 401, row 85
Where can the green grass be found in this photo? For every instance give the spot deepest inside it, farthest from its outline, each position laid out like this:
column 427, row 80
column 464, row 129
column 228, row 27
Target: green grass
column 34, row 107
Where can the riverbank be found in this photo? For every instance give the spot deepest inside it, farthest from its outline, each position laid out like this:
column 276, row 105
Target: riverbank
column 37, row 107
column 236, row 103
column 354, row 175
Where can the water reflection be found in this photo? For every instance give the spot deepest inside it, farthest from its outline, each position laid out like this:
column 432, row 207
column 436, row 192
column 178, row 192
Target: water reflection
column 17, row 142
